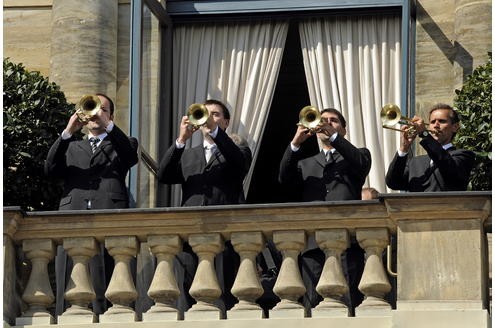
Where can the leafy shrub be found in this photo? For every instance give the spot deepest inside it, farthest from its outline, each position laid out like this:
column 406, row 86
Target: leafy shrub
column 35, row 111
column 474, row 105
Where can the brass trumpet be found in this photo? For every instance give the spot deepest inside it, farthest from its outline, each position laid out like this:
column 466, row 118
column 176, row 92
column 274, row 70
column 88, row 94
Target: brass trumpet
column 87, row 107
column 391, row 115
column 197, row 115
column 310, row 118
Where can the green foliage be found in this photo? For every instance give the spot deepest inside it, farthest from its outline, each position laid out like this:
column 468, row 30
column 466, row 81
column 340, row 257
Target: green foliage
column 474, row 105
column 34, row 113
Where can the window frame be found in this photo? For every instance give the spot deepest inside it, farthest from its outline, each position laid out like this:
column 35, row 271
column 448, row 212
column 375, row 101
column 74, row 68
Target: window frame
column 191, row 11
column 135, row 86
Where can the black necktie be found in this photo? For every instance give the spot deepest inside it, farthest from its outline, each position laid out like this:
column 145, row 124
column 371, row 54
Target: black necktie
column 328, row 156
column 94, row 143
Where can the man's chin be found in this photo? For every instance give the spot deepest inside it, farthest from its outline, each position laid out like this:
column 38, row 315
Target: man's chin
column 323, row 137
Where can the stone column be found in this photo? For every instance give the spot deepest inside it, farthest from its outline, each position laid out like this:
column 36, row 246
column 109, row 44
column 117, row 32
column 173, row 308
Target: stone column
column 473, row 33
column 374, row 283
column 38, row 294
column 163, row 289
column 289, row 285
column 205, row 288
column 247, row 286
column 79, row 292
column 332, row 284
column 84, row 47
column 121, row 290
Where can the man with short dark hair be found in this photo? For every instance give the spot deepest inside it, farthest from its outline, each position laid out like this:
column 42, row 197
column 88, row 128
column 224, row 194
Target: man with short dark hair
column 444, row 168
column 336, row 173
column 93, row 170
column 210, row 174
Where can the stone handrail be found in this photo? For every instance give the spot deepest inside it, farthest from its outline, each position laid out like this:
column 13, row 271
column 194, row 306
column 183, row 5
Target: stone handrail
column 441, row 259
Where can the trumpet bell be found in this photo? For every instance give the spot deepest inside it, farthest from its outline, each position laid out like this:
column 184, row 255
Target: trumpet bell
column 390, row 115
column 197, row 115
column 87, row 107
column 309, row 117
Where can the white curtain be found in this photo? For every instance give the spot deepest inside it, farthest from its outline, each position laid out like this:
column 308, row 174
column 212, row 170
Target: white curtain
column 237, row 64
column 353, row 64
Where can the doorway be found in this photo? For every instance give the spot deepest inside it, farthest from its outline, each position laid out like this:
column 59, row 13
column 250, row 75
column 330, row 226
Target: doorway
column 290, row 96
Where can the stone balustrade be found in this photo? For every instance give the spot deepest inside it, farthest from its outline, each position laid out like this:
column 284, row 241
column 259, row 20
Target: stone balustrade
column 441, row 262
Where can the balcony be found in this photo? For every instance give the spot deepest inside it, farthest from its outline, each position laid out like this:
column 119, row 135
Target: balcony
column 440, row 258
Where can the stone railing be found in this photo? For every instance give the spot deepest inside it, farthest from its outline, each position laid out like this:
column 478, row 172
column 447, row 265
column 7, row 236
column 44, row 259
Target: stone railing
column 441, row 262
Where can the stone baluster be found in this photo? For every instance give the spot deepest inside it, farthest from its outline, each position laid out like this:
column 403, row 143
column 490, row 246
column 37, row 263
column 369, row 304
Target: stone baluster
column 121, row 290
column 374, row 283
column 289, row 285
column 163, row 289
column 38, row 294
column 205, row 288
column 79, row 292
column 247, row 286
column 332, row 284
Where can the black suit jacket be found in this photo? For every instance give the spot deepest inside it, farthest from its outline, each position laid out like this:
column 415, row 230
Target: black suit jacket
column 450, row 170
column 98, row 177
column 340, row 179
column 218, row 182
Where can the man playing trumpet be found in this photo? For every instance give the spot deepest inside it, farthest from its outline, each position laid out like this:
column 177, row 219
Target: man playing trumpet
column 93, row 169
column 444, row 168
column 211, row 173
column 338, row 172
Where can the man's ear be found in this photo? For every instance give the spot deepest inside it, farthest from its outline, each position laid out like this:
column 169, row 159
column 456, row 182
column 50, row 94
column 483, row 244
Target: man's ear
column 226, row 124
column 111, row 117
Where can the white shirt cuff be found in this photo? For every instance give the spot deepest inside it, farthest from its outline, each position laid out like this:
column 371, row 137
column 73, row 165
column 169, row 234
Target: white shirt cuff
column 179, row 145
column 334, row 136
column 65, row 135
column 294, row 148
column 109, row 127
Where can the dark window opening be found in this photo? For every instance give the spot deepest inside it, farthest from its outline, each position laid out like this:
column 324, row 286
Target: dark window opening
column 291, row 95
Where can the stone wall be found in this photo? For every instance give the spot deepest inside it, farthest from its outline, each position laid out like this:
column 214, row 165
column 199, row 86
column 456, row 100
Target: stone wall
column 27, row 33
column 452, row 38
column 59, row 44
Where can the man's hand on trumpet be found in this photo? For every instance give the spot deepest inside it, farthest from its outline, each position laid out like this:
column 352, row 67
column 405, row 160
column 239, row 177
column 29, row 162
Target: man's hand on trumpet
column 74, row 124
column 302, row 134
column 186, row 130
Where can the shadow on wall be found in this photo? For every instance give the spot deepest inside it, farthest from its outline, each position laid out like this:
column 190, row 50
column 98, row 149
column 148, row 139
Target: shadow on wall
column 454, row 51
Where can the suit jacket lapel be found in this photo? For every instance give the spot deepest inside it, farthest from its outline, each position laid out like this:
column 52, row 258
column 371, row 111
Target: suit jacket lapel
column 320, row 158
column 84, row 144
column 199, row 156
column 215, row 157
column 104, row 143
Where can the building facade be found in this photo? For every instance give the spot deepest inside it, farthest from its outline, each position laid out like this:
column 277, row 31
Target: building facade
column 130, row 50
column 155, row 58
